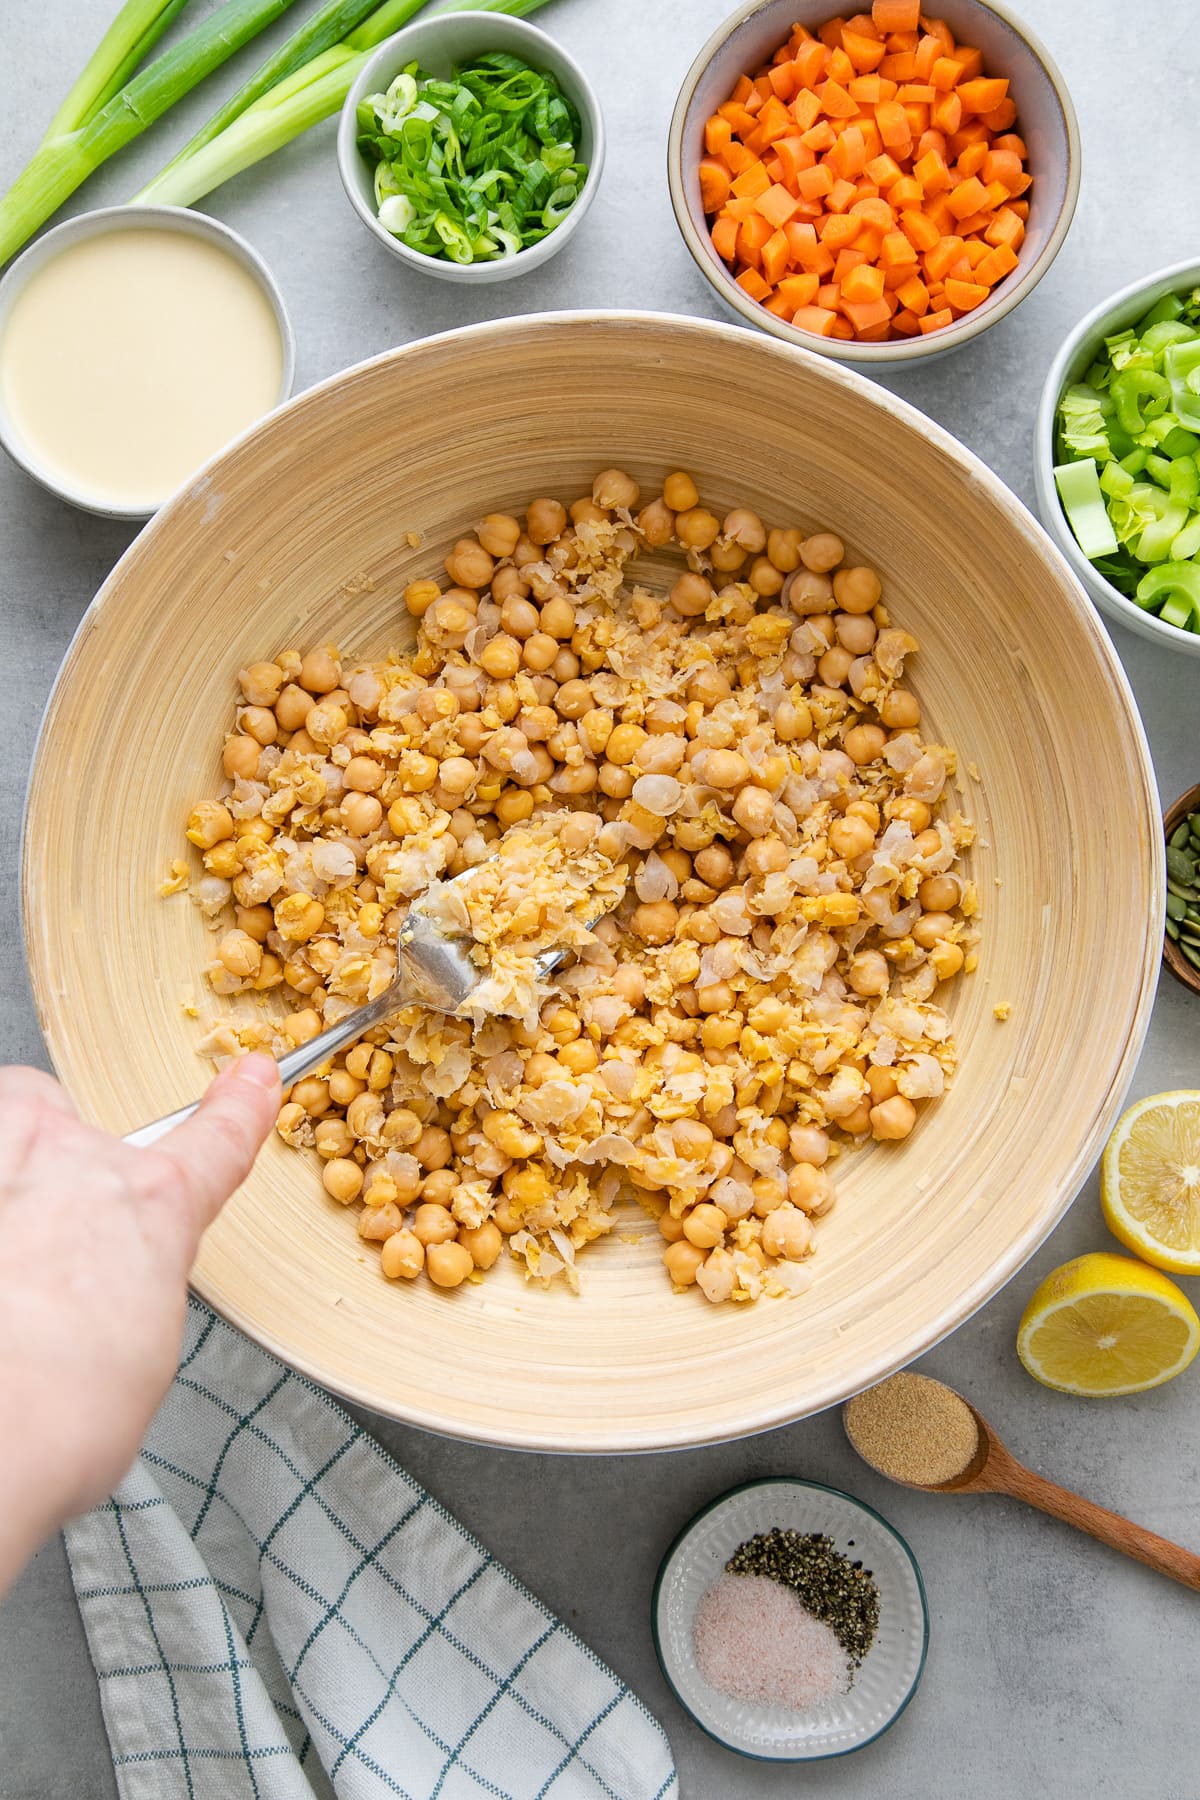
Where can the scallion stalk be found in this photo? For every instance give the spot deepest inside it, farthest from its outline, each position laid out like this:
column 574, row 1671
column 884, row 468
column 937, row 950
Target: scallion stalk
column 287, row 110
column 120, row 52
column 65, row 161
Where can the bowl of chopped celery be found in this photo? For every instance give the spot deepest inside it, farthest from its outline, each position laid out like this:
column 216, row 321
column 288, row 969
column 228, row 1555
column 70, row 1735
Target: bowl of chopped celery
column 471, row 146
column 1117, row 455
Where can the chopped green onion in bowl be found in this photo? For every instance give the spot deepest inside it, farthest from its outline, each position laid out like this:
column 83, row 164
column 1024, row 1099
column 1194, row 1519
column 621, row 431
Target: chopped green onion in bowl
column 1127, row 460
column 476, row 167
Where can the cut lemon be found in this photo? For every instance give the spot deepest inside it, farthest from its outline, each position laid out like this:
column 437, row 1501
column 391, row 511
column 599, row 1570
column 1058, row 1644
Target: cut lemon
column 1105, row 1325
column 1150, row 1181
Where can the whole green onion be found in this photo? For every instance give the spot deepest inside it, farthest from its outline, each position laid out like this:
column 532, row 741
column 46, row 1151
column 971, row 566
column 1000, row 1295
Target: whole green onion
column 120, row 52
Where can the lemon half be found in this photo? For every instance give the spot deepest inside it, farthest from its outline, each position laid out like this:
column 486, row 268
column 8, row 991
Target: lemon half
column 1103, row 1324
column 1150, row 1181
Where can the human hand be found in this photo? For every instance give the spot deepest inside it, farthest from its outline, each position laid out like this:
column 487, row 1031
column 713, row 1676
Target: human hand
column 96, row 1241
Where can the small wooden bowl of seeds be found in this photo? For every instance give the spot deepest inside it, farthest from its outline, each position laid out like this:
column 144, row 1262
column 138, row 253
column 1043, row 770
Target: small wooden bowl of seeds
column 1181, row 941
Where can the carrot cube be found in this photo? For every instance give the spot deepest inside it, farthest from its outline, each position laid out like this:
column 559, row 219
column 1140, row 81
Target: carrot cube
column 724, row 237
column 820, row 136
column 819, row 320
column 799, row 290
column 964, row 295
column 836, row 101
column 810, row 60
column 970, row 62
column 932, row 173
column 840, row 196
column 935, row 321
column 899, row 65
column 896, row 251
column 916, row 93
column 806, row 109
column 884, row 170
column 839, row 68
column 752, row 182
column 718, row 133
column 847, row 260
column 813, row 183
column 920, row 230
column 828, row 294
column 864, row 283
column 784, row 80
column 946, row 113
column 968, row 197
column 849, row 154
column 865, row 53
column 867, row 90
column 776, row 255
column 905, row 323
column 914, row 295
column 839, row 230
column 906, row 193
column 943, row 255
column 896, row 15
column 917, row 116
column 1002, row 117
column 996, row 265
column 776, row 205
column 983, row 94
column 893, row 125
column 863, row 314
column 752, row 282
column 972, row 160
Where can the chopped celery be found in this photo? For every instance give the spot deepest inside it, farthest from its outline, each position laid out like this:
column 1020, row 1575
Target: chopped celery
column 1078, row 486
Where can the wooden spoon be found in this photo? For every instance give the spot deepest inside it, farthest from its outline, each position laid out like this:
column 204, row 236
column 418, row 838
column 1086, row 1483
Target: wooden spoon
column 995, row 1470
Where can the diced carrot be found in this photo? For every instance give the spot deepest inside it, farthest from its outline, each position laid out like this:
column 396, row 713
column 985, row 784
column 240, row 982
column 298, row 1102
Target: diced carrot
column 864, row 283
column 1010, row 141
column 944, row 74
column 935, row 321
column 836, row 100
column 874, row 212
column 847, row 261
column 1006, row 228
column 828, row 294
column 907, row 192
column 931, row 171
column 916, row 93
column 862, row 314
column 884, row 170
column 967, row 197
column 1001, row 117
column 815, row 182
column 762, row 87
column 969, row 60
column 996, row 265
column 775, row 120
column 963, row 296
column 906, row 323
column 864, row 52
column 976, row 251
column 781, row 308
column 920, row 231
column 737, row 157
column 1020, row 207
column 810, row 62
column 777, row 206
column 718, row 134
column 932, row 141
column 942, row 256
column 867, row 90
column 918, row 118
column 983, row 94
column 714, row 183
column 995, row 194
column 776, row 255
column 774, row 168
column 755, row 141
column 937, row 211
column 736, row 115
column 842, row 328
column 820, row 136
column 738, row 208
column 849, row 154
column 799, row 290
column 752, row 235
column 926, row 54
column 806, row 109
column 784, row 80
column 724, row 237
column 819, row 320
column 753, row 283
column 971, row 161
column 751, row 182
column 893, row 126
column 973, row 222
column 794, row 156
column 830, row 33
column 896, row 251
column 839, row 67
column 839, row 229
column 946, row 113
column 840, row 197
column 871, row 138
column 914, row 295
column 971, row 131
column 863, row 23
column 899, row 65
column 900, row 41
column 939, row 29
column 896, row 15
column 743, row 88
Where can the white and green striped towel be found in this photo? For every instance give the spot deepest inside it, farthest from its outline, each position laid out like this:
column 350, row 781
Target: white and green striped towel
column 276, row 1612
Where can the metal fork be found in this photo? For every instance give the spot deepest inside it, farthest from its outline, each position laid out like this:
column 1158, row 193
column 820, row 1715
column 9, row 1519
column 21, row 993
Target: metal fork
column 432, row 970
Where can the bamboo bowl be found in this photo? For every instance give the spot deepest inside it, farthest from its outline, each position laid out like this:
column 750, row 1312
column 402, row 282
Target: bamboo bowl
column 296, row 534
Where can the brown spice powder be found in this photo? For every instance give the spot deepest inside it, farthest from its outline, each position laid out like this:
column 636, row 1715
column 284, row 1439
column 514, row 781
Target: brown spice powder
column 912, row 1429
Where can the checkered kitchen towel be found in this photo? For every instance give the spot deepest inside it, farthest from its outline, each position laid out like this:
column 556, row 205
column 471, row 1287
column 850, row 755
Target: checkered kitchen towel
column 277, row 1612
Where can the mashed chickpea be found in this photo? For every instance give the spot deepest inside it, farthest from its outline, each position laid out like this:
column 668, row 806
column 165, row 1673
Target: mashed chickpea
column 717, row 795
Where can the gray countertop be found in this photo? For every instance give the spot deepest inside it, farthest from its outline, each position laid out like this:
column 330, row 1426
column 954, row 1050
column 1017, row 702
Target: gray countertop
column 1054, row 1666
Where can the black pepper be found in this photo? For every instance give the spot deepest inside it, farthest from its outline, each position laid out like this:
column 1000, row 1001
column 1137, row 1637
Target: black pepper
column 841, row 1593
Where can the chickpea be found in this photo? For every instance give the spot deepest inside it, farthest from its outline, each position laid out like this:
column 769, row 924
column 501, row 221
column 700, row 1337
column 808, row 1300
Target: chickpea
column 239, row 758
column 768, row 1015
column 746, row 529
column 723, row 768
column 439, row 1187
column 293, row 707
column 793, row 721
column 764, row 577
column 209, row 823
column 448, row 1265
column 754, row 810
column 558, row 619
column 899, row 710
column 691, row 595
column 343, row 1087
column 822, row 552
column 361, row 813
column 714, row 865
column 483, row 1243
column 938, row 893
column 433, row 1149
column 512, row 809
column 584, row 511
column 624, row 743
column 927, row 842
column 930, row 927
column 946, row 960
column 320, row 671
column 419, row 596
column 705, row 1226
column 693, row 1139
column 630, row 984
column 654, row 921
column 857, row 590
column 709, row 686
column 362, row 775
column 657, row 524
column 882, row 1083
column 783, row 548
column 450, row 619
column 726, row 557
column 850, row 838
column 240, row 954
column 834, row 666
column 290, row 1116
column 683, row 1261
column 894, row 1118
column 616, row 782
column 809, row 1144
column 433, row 1224
column 868, row 973
column 527, row 1187
column 695, row 528
column 612, row 488
column 511, row 1136
column 301, row 1027
column 299, row 917
column 680, row 492
column 540, row 651
column 862, row 743
column 787, row 1233
column 670, row 1227
column 402, row 1256
column 502, row 657
column 498, row 533
column 343, row 1179
column 544, row 521
column 855, row 632
column 915, row 813
column 806, row 1186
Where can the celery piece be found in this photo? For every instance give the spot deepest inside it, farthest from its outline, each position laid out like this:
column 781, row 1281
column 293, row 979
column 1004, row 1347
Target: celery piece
column 1078, row 485
column 1176, row 611
column 1178, row 581
column 1169, row 307
column 1187, row 543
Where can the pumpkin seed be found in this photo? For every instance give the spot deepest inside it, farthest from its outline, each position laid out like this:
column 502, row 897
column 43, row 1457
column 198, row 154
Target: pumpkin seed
column 1184, row 892
column 1192, row 952
column 1172, row 931
column 1181, row 866
column 1176, row 908
column 1178, row 839
column 1189, row 934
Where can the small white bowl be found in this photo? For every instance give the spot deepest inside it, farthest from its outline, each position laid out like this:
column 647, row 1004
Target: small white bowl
column 438, row 43
column 95, row 224
column 1045, row 119
column 887, row 1677
column 1075, row 357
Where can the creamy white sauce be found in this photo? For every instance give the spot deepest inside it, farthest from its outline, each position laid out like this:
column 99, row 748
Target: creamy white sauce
column 132, row 357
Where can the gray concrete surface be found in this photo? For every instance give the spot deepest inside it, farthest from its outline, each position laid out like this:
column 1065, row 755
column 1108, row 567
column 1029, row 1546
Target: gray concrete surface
column 1055, row 1666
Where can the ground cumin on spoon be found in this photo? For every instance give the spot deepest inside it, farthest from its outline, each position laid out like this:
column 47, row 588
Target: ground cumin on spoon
column 913, row 1429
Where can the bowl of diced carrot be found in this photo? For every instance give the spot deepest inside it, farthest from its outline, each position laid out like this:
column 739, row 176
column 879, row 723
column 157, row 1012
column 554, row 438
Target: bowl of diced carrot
column 878, row 186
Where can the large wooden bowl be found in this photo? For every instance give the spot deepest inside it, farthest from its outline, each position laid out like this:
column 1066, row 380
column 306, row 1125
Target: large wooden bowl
column 298, row 534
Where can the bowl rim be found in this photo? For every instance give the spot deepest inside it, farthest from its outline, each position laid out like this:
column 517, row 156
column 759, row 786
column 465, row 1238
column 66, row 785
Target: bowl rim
column 99, row 222
column 893, row 350
column 1091, row 326
column 509, row 31
column 818, row 1487
column 1181, row 969
column 967, row 1301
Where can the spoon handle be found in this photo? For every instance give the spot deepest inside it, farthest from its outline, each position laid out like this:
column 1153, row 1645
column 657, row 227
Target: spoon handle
column 1119, row 1533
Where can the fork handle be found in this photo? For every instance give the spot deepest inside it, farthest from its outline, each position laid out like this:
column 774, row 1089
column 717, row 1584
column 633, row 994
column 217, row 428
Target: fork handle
column 295, row 1063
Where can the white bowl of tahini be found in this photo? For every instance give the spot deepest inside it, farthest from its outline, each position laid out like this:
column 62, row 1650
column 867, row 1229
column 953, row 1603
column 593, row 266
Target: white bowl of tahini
column 135, row 343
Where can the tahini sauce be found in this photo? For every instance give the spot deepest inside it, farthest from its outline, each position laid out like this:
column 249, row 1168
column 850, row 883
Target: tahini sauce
column 132, row 357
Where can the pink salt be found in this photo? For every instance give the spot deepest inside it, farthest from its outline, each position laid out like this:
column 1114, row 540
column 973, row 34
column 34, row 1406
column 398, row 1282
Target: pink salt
column 756, row 1641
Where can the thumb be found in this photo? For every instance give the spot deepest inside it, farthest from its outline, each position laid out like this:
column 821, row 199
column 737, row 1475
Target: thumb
column 214, row 1150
